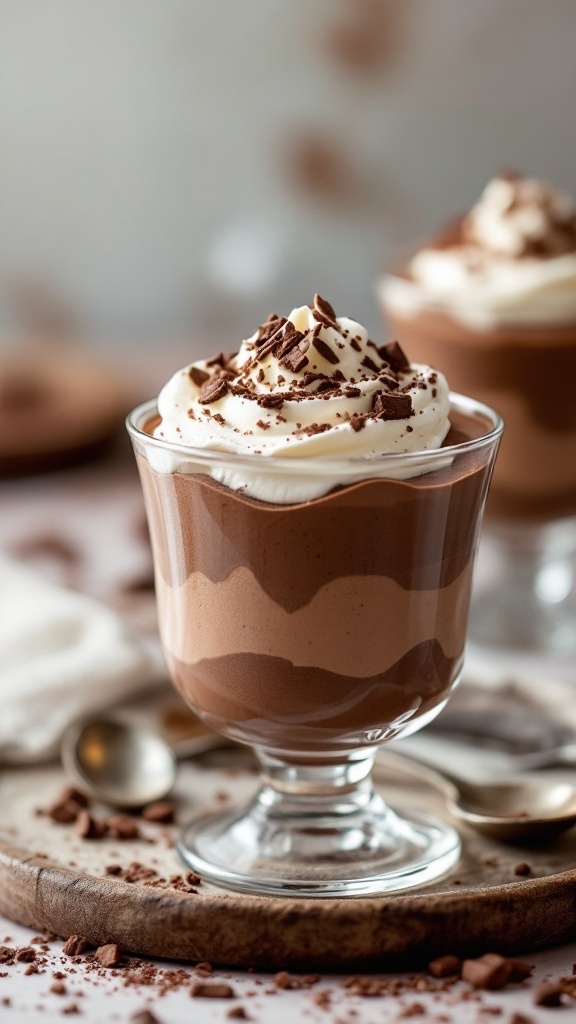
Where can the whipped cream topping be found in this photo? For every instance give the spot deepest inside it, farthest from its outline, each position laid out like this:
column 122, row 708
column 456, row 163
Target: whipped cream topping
column 311, row 384
column 512, row 259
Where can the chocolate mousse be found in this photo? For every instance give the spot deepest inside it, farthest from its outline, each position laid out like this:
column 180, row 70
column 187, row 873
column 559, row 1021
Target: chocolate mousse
column 321, row 604
column 493, row 297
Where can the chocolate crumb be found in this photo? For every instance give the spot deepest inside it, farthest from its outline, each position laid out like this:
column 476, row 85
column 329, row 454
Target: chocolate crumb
column 548, row 993
column 113, row 869
column 122, row 826
column 357, row 422
column 88, row 827
column 271, row 401
column 58, row 988
column 7, row 955
column 521, row 1018
column 445, row 967
column 412, row 1010
column 75, row 945
column 25, row 955
column 162, row 812
column 491, row 972
column 108, row 955
column 237, row 1013
column 144, row 1017
column 212, row 990
column 71, row 1008
column 522, row 869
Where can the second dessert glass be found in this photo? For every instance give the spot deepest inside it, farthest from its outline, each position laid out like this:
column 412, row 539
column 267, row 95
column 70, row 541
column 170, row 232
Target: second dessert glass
column 315, row 632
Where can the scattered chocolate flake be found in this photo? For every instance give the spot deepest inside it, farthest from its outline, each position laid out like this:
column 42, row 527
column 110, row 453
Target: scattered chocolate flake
column 144, row 1017
column 88, row 827
column 212, row 990
column 75, row 945
column 108, row 955
column 58, row 988
column 491, row 972
column 413, row 1010
column 113, row 869
column 393, row 354
column 370, row 364
column 263, row 424
column 355, row 343
column 314, row 428
column 72, row 1008
column 522, row 869
column 323, row 306
column 7, row 955
column 294, row 360
column 260, row 376
column 269, row 327
column 390, row 382
column 351, row 392
column 198, row 376
column 324, row 350
column 25, row 955
column 162, row 811
column 521, row 1018
column 213, row 390
column 327, row 385
column 392, row 407
column 445, row 967
column 548, row 993
column 139, row 873
column 122, row 826
column 67, row 806
column 237, row 1013
column 520, row 971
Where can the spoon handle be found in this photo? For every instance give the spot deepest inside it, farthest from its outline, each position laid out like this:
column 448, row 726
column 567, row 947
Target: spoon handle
column 447, row 784
column 554, row 758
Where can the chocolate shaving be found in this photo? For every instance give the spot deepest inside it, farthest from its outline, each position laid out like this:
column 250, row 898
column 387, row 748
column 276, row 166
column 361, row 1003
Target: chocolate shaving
column 351, row 392
column 322, row 306
column 325, row 350
column 392, row 407
column 294, row 360
column 213, row 390
column 390, row 382
column 290, row 338
column 212, row 990
column 394, row 356
column 356, row 344
column 370, row 364
column 220, row 359
column 314, row 428
column 75, row 945
column 198, row 376
column 326, row 321
column 271, row 401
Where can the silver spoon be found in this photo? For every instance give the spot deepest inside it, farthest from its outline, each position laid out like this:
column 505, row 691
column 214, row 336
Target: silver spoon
column 128, row 766
column 518, row 811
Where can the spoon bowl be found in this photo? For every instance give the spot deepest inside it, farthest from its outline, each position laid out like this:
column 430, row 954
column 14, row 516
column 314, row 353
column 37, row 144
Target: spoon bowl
column 121, row 764
column 516, row 811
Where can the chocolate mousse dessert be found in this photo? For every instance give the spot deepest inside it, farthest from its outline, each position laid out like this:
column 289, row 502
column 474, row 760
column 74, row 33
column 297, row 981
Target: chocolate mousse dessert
column 493, row 298
column 314, row 503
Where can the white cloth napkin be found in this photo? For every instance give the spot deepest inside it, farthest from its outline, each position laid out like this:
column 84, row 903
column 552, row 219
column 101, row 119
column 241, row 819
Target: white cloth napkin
column 62, row 655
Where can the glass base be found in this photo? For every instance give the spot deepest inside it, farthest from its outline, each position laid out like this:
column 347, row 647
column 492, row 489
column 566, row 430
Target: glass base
column 324, row 833
column 530, row 604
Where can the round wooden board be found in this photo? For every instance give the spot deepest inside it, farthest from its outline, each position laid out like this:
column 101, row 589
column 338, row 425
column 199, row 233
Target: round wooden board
column 52, row 880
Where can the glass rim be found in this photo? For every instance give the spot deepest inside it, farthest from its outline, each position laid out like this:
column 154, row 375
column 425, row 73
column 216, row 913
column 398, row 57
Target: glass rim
column 308, row 463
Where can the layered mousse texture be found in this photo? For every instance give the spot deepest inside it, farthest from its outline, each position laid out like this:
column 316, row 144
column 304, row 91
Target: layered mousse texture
column 325, row 607
column 493, row 297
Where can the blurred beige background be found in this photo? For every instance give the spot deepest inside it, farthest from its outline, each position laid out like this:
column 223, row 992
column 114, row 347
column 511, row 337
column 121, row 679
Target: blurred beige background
column 176, row 168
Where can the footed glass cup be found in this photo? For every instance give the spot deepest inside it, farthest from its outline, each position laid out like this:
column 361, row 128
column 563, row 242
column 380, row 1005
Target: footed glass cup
column 527, row 371
column 315, row 631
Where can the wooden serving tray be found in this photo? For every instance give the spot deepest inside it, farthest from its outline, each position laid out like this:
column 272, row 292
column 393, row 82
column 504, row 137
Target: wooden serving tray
column 50, row 879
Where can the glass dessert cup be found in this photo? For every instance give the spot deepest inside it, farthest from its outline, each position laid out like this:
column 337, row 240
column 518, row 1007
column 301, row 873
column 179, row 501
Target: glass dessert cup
column 529, row 534
column 314, row 632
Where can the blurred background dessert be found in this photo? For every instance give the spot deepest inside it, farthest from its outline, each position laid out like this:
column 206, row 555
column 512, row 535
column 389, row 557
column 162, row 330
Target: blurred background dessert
column 493, row 297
